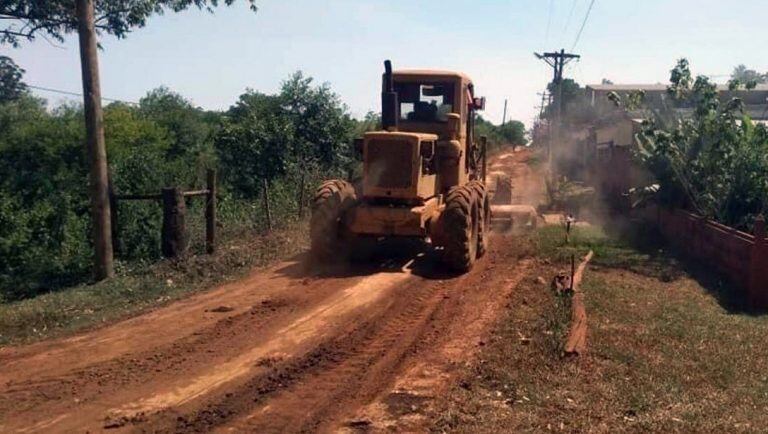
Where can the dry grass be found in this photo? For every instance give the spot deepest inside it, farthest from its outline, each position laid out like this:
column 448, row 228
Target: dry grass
column 666, row 354
column 144, row 287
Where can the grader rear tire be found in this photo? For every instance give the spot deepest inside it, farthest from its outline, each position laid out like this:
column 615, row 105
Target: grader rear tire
column 332, row 200
column 484, row 213
column 460, row 226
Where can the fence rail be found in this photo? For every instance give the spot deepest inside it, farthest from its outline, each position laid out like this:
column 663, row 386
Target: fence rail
column 175, row 240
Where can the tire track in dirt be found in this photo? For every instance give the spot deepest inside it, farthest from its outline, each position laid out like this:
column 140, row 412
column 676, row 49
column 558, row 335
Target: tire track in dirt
column 141, row 372
column 301, row 349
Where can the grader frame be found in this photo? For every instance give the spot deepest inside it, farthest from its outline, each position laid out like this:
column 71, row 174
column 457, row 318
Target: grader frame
column 423, row 173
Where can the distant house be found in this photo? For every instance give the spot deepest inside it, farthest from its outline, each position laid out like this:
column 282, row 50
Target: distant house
column 755, row 100
column 607, row 162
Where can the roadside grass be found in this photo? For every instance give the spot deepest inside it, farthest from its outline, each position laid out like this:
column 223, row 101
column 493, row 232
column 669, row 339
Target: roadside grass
column 664, row 355
column 638, row 249
column 143, row 287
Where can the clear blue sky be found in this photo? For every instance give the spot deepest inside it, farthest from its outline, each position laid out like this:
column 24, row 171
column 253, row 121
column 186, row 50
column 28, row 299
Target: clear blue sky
column 211, row 59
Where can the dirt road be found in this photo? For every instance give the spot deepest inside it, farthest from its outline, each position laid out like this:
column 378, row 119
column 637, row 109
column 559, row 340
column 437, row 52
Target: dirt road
column 290, row 348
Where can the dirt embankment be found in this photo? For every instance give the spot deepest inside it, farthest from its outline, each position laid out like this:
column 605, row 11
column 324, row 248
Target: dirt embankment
column 290, row 348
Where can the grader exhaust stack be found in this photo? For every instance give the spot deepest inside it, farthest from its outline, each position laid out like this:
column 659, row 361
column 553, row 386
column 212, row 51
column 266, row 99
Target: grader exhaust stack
column 389, row 106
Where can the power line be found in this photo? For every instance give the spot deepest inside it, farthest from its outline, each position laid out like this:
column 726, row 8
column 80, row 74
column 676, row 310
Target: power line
column 65, row 92
column 583, row 23
column 549, row 21
column 570, row 15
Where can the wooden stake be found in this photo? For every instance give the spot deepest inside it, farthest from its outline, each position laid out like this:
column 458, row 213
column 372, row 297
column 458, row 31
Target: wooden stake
column 174, row 236
column 266, row 206
column 573, row 270
column 210, row 212
column 113, row 212
column 577, row 336
column 103, row 266
column 301, row 194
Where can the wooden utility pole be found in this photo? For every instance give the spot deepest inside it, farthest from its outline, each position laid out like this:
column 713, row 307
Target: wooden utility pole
column 97, row 152
column 504, row 116
column 557, row 60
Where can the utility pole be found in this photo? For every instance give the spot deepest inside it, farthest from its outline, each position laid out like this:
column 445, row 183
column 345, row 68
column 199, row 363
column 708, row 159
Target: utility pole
column 557, row 60
column 97, row 152
column 504, row 117
column 545, row 99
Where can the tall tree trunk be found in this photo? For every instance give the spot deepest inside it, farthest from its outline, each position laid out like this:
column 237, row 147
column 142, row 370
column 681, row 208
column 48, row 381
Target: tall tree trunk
column 97, row 152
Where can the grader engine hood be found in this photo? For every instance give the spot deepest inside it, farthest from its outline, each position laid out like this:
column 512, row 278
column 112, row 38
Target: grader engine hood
column 399, row 165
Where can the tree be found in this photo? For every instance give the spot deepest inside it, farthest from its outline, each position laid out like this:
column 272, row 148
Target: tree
column 322, row 129
column 571, row 91
column 711, row 160
column 11, row 84
column 25, row 20
column 22, row 19
column 253, row 142
column 748, row 77
column 513, row 133
column 190, row 131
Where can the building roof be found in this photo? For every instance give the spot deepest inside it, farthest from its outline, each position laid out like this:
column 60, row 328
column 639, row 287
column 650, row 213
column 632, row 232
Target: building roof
column 627, row 87
column 657, row 87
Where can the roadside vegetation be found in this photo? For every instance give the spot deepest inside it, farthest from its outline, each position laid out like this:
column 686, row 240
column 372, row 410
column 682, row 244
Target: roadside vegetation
column 666, row 352
column 707, row 154
column 281, row 145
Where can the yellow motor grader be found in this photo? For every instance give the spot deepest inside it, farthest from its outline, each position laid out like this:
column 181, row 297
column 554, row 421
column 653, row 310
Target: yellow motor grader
column 423, row 173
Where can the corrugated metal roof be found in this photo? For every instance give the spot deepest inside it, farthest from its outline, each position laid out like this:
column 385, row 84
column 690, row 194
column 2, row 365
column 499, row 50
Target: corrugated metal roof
column 656, row 87
column 627, row 87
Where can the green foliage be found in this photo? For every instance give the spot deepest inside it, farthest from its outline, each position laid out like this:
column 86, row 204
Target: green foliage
column 253, row 142
column 11, row 85
column 371, row 122
column 748, row 77
column 709, row 157
column 511, row 133
column 571, row 93
column 24, row 19
column 44, row 207
column 291, row 140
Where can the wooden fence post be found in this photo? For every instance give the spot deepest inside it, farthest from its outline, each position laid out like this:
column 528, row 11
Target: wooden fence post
column 758, row 283
column 301, row 194
column 210, row 212
column 174, row 235
column 267, row 211
column 113, row 216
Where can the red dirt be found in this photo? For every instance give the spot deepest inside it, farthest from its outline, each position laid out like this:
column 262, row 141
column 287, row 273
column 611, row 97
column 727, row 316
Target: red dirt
column 290, row 348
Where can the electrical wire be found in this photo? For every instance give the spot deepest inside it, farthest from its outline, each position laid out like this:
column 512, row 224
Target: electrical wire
column 568, row 21
column 64, row 92
column 583, row 23
column 549, row 22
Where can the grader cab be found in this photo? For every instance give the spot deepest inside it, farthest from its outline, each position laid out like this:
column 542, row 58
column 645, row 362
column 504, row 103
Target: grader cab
column 423, row 174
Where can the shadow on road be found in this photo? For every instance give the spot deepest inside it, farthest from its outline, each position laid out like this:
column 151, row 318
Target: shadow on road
column 387, row 256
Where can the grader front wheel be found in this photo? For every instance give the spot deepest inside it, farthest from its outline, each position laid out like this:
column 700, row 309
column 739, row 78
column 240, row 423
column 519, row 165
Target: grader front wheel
column 331, row 202
column 461, row 228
